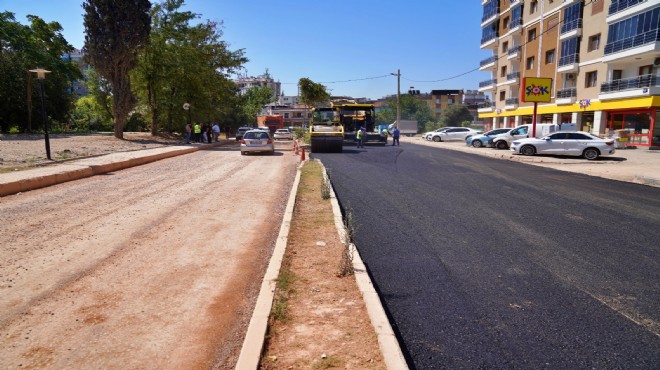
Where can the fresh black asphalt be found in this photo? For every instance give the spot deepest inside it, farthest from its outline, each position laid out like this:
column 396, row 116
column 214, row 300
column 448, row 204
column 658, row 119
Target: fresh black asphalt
column 493, row 264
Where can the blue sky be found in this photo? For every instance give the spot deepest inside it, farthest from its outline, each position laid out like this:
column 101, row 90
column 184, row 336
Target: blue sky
column 430, row 41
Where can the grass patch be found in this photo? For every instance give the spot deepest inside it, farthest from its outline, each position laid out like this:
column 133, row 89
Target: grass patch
column 283, row 291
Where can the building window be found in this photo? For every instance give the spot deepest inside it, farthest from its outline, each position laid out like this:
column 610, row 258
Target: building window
column 437, row 110
column 505, row 23
column 505, row 47
column 286, row 115
column 627, row 33
column 450, row 101
column 533, row 7
column 503, row 71
column 437, row 101
column 591, row 79
column 550, row 56
column 502, row 95
column 645, row 70
column 531, row 35
column 594, row 42
column 530, row 63
column 617, row 74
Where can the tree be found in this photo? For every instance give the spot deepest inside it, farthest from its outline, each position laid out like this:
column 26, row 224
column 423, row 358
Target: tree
column 255, row 99
column 455, row 115
column 412, row 108
column 23, row 48
column 312, row 93
column 115, row 31
column 185, row 63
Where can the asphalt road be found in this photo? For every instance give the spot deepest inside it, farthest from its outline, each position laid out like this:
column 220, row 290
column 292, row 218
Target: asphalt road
column 485, row 263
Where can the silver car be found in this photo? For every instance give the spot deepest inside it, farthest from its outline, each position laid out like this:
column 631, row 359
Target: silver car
column 257, row 141
column 574, row 143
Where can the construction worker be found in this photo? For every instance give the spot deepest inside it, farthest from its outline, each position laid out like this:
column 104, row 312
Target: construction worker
column 198, row 132
column 359, row 137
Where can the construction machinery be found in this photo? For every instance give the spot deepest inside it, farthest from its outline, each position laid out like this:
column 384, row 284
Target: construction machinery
column 356, row 116
column 325, row 131
column 271, row 122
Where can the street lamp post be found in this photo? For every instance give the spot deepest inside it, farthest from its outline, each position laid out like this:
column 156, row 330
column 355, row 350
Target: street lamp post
column 398, row 96
column 41, row 75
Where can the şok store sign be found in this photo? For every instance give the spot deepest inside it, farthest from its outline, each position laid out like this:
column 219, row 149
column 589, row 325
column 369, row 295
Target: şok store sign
column 536, row 90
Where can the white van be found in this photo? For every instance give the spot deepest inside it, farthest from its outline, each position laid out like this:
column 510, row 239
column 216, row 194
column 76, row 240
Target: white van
column 503, row 141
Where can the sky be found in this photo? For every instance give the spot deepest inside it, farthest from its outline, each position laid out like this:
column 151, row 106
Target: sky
column 353, row 47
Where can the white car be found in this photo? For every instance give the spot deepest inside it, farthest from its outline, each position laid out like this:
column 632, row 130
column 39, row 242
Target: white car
column 454, row 133
column 427, row 135
column 574, row 143
column 283, row 133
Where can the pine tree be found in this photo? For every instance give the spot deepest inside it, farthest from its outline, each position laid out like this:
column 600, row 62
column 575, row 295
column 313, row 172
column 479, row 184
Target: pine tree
column 115, row 31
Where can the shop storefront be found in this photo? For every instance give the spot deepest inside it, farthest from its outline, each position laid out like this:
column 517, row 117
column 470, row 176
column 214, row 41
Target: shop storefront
column 640, row 126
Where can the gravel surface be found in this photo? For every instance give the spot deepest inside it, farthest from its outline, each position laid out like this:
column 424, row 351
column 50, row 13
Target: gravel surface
column 156, row 266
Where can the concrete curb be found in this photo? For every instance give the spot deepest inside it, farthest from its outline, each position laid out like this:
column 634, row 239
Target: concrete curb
column 253, row 343
column 16, row 182
column 389, row 345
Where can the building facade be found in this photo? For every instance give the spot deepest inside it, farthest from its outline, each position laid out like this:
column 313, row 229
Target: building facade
column 245, row 83
column 603, row 57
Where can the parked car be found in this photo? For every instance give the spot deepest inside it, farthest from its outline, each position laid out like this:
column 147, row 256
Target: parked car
column 283, row 133
column 427, row 135
column 456, row 133
column 575, row 143
column 257, row 141
column 241, row 131
column 482, row 140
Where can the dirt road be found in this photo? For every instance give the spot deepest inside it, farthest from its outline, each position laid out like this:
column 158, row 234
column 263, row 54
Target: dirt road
column 152, row 267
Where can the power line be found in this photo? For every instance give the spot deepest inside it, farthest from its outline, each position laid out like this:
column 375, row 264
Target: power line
column 442, row 79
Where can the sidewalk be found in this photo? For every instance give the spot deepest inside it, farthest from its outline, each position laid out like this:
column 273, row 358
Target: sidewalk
column 641, row 166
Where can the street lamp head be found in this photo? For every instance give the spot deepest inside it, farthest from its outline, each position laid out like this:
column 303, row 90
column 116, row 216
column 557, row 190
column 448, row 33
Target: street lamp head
column 41, row 73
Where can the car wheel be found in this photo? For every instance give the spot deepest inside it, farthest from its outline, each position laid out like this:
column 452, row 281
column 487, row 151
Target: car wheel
column 591, row 154
column 242, row 153
column 502, row 145
column 527, row 150
column 477, row 143
column 437, row 139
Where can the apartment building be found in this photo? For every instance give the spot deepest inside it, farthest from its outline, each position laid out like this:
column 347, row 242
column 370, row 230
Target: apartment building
column 603, row 57
column 245, row 83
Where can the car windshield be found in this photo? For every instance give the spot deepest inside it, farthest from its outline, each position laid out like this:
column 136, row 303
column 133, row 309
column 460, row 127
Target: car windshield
column 256, row 135
column 283, row 131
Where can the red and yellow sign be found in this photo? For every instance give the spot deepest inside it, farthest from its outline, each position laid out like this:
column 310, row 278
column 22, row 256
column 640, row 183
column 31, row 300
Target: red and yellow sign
column 536, row 89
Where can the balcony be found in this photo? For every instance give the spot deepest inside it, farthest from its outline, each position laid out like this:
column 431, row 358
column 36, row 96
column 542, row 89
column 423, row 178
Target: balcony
column 570, row 29
column 566, row 96
column 490, row 40
column 511, row 103
column 487, row 85
column 568, row 63
column 646, row 85
column 514, row 52
column 485, row 107
column 516, row 23
column 635, row 46
column 512, row 78
column 488, row 63
column 491, row 12
column 621, row 5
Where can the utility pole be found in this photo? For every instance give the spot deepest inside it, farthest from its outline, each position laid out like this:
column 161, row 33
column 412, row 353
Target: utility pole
column 398, row 96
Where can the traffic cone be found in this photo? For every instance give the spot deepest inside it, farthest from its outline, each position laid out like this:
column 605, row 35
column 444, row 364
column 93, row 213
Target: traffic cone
column 302, row 155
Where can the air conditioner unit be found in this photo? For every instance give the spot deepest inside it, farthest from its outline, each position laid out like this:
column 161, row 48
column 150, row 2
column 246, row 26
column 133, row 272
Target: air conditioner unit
column 570, row 76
